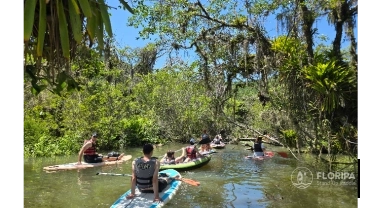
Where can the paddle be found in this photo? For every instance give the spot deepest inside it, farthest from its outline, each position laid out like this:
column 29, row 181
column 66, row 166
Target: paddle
column 209, row 152
column 186, row 180
column 283, row 154
column 113, row 174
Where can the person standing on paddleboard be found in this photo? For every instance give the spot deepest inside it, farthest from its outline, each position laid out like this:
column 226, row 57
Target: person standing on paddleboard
column 145, row 175
column 90, row 155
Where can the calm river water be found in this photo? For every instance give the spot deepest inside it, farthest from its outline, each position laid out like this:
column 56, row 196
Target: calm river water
column 228, row 180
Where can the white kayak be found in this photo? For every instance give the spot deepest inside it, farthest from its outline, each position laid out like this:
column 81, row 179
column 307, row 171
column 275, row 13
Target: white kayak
column 142, row 200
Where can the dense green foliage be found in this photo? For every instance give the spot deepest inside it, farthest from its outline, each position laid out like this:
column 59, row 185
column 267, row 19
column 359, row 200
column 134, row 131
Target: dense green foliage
column 241, row 81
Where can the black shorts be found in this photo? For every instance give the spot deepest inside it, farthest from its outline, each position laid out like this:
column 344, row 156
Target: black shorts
column 162, row 184
column 113, row 154
column 93, row 158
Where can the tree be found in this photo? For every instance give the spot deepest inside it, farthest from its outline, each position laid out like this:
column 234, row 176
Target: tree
column 52, row 32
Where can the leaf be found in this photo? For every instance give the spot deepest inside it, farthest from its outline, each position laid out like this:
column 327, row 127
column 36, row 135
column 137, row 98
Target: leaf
column 100, row 32
column 75, row 21
column 75, row 6
column 91, row 27
column 41, row 29
column 63, row 29
column 125, row 4
column 105, row 16
column 29, row 18
column 86, row 9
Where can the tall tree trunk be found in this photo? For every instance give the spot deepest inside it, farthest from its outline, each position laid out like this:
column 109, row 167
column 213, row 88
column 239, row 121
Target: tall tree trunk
column 308, row 20
column 338, row 39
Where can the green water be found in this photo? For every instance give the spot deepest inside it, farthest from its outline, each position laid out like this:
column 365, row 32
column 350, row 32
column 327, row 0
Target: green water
column 228, row 180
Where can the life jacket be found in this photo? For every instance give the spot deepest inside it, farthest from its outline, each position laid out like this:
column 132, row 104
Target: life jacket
column 169, row 160
column 91, row 150
column 257, row 147
column 205, row 136
column 190, row 152
column 144, row 172
column 217, row 141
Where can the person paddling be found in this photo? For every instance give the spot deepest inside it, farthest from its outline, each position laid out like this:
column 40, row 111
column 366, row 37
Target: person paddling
column 169, row 157
column 217, row 139
column 258, row 148
column 192, row 152
column 90, row 155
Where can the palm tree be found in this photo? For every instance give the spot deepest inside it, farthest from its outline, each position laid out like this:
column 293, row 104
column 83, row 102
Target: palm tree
column 52, row 31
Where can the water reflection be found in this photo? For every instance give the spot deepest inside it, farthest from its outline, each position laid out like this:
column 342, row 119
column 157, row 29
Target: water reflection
column 83, row 183
column 228, row 180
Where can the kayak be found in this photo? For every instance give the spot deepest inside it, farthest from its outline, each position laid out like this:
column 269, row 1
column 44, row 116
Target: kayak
column 268, row 154
column 74, row 166
column 142, row 200
column 208, row 152
column 218, row 146
column 199, row 162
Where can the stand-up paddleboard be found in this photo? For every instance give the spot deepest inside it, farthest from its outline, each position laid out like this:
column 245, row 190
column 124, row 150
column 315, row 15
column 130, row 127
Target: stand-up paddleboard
column 74, row 166
column 268, row 154
column 143, row 200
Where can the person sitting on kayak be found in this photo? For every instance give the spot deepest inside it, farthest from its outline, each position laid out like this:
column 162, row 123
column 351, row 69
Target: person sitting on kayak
column 205, row 139
column 217, row 139
column 205, row 135
column 258, row 147
column 204, row 148
column 192, row 152
column 169, row 157
column 90, row 155
column 145, row 177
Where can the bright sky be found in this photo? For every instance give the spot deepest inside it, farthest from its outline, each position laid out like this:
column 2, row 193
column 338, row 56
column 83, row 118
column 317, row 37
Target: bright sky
column 126, row 36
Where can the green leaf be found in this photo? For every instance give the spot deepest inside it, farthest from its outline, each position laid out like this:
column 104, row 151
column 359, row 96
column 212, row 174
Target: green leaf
column 125, row 4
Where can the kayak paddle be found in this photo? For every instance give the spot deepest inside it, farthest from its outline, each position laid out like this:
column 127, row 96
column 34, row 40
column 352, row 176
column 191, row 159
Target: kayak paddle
column 113, row 174
column 186, row 180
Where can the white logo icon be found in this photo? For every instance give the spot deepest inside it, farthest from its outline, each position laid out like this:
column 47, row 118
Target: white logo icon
column 301, row 177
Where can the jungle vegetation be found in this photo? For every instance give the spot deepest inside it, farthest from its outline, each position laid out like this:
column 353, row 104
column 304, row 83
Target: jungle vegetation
column 297, row 86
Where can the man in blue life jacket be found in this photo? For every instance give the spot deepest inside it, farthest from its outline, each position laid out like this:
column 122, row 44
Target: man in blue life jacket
column 145, row 175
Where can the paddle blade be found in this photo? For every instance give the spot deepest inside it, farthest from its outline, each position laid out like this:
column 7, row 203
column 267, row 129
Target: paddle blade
column 190, row 181
column 283, row 154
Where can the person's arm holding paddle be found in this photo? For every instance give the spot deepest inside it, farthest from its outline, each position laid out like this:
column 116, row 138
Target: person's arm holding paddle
column 181, row 158
column 155, row 183
column 263, row 148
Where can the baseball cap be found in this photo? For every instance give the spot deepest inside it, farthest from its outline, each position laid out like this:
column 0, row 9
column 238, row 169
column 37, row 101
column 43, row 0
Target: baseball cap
column 94, row 134
column 192, row 141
